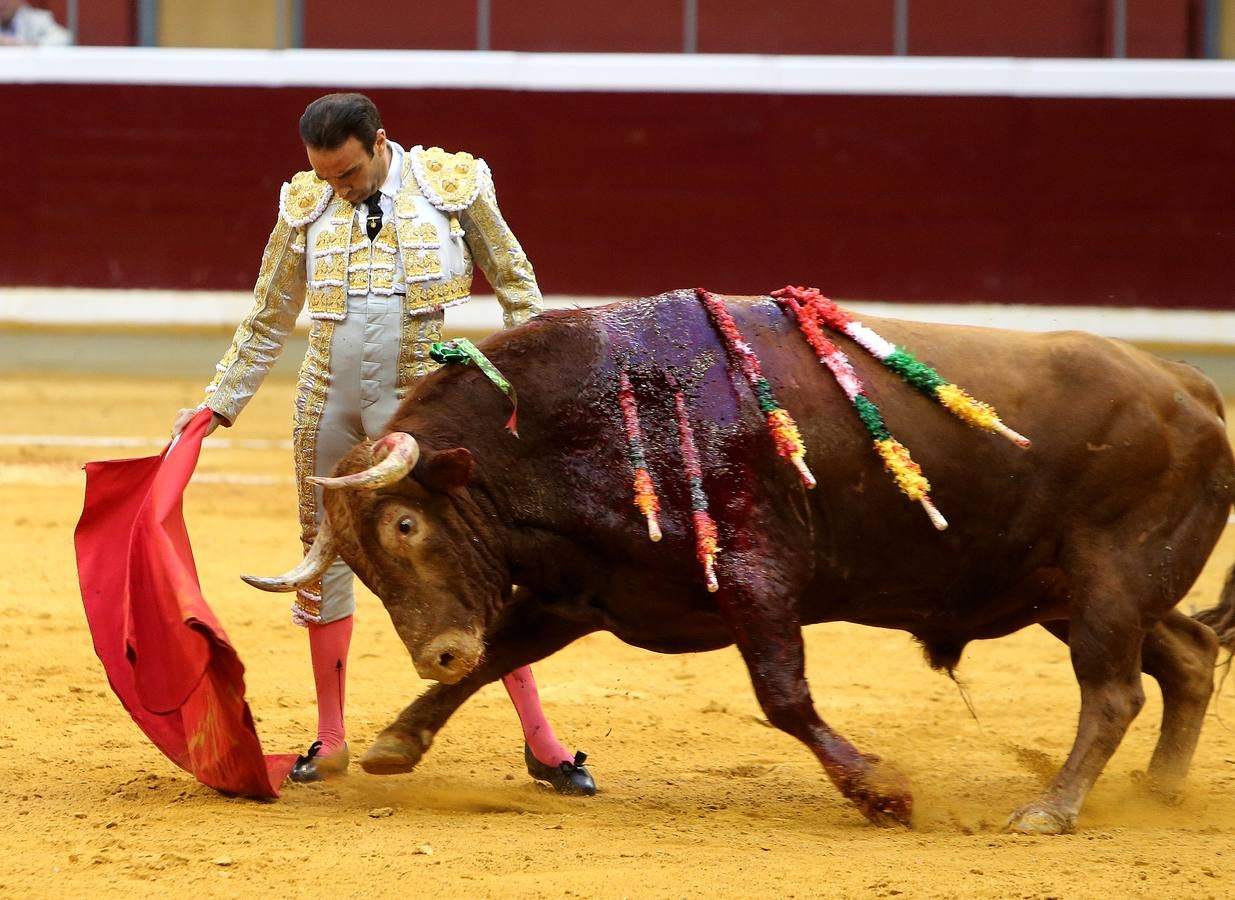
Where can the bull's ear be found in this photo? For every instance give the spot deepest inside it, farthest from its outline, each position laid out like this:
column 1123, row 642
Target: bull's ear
column 445, row 470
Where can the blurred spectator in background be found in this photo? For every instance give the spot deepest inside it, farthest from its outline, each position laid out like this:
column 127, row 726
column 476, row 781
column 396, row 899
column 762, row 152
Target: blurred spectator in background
column 23, row 25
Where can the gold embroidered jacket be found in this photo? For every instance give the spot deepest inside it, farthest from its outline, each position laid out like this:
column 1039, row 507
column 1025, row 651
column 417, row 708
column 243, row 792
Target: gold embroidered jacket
column 445, row 218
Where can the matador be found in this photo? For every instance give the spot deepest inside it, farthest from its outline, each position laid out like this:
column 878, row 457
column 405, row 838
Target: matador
column 379, row 241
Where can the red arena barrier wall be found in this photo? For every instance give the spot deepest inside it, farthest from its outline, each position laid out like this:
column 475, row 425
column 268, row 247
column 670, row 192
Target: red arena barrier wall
column 1100, row 200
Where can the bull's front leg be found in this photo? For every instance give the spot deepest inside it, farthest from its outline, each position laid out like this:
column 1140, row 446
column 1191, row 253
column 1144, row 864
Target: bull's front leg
column 768, row 634
column 524, row 637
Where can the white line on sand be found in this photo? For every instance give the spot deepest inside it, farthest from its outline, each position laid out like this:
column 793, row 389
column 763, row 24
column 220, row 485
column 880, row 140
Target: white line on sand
column 105, row 440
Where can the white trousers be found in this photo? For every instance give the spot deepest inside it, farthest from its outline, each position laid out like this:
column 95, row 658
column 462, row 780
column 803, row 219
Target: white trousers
column 362, row 392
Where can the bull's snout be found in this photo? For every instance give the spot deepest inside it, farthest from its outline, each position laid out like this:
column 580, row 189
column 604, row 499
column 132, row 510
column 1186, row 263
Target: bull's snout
column 449, row 657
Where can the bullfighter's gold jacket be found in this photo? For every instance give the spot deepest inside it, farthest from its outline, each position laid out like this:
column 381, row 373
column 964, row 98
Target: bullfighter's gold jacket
column 445, row 219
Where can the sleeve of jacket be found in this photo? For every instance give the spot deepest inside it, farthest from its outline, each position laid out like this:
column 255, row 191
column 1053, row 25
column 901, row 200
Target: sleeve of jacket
column 496, row 250
column 262, row 334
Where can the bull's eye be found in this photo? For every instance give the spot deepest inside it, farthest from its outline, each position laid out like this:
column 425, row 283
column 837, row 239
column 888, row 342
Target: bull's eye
column 405, row 525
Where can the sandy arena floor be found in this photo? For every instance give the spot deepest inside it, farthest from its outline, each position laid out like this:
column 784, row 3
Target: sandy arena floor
column 698, row 795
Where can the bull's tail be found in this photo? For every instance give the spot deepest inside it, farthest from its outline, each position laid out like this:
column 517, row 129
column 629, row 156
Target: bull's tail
column 1222, row 617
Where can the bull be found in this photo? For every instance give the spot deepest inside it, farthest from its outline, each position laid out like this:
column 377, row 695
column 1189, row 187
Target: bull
column 1095, row 532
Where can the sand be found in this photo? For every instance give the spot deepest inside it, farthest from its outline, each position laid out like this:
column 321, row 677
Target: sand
column 698, row 795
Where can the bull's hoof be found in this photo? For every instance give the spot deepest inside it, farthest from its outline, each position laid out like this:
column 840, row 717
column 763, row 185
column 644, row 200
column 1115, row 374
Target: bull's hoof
column 1166, row 789
column 566, row 777
column 392, row 753
column 311, row 767
column 882, row 794
column 889, row 812
column 1037, row 818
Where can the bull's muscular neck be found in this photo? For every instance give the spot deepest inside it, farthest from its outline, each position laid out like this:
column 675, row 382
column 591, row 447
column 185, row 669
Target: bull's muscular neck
column 521, row 485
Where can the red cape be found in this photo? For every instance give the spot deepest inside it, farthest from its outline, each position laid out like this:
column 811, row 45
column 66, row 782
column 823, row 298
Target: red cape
column 165, row 654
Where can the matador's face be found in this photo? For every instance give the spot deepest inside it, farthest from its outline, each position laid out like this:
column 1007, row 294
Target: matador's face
column 351, row 170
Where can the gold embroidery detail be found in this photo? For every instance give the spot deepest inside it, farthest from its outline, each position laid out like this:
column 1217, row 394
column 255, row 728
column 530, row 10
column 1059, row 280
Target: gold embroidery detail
column 327, row 301
column 450, row 181
column 329, row 268
column 385, row 262
column 422, row 235
column 421, row 265
column 280, row 277
column 371, row 266
column 312, row 384
column 405, row 200
column 333, row 239
column 303, row 199
column 308, row 604
column 359, row 261
column 425, row 296
column 418, row 335
column 327, row 295
column 382, row 281
column 506, row 266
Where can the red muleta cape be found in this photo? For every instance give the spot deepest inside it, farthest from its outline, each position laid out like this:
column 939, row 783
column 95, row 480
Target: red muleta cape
column 165, row 654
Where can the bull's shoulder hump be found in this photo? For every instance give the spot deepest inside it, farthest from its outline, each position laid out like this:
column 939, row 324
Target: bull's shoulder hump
column 303, row 199
column 1114, row 367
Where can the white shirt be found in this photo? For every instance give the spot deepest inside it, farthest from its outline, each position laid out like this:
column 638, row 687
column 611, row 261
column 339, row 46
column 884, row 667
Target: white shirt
column 390, row 187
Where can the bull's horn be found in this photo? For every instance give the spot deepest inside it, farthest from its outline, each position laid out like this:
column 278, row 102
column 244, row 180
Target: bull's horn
column 312, row 567
column 393, row 457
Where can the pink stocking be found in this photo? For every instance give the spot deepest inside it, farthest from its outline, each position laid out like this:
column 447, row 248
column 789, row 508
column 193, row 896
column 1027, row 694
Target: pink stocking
column 536, row 728
column 328, row 647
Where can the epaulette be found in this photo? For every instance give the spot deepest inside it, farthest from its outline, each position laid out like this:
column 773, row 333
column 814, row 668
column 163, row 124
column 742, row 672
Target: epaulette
column 450, row 181
column 303, row 199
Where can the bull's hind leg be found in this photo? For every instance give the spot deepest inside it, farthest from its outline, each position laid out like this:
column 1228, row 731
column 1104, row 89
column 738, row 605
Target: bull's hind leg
column 1105, row 638
column 1179, row 653
column 769, row 637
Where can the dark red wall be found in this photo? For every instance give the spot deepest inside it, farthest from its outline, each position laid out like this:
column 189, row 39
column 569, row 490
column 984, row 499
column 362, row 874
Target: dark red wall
column 1056, row 201
column 423, row 26
column 99, row 22
column 587, row 25
column 1008, row 27
column 1056, row 28
column 796, row 26
column 1166, row 29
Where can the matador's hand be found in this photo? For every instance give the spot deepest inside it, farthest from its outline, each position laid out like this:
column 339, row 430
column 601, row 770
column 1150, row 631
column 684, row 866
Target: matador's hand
column 186, row 415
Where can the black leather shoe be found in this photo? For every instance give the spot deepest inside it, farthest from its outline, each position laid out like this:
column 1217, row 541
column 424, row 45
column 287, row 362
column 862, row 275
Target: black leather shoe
column 312, row 767
column 566, row 777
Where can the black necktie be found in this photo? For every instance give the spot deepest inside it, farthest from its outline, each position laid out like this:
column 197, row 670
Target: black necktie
column 373, row 222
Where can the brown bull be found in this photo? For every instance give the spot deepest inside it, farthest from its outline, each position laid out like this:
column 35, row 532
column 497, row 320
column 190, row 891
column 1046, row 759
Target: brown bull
column 1095, row 532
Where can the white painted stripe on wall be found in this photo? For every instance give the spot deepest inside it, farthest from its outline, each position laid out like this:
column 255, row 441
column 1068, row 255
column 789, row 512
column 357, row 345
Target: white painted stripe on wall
column 1168, row 326
column 256, row 480
column 637, row 72
column 224, row 309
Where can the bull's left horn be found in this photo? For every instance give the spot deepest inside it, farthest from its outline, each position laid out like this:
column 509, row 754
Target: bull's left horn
column 312, row 567
column 393, row 457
